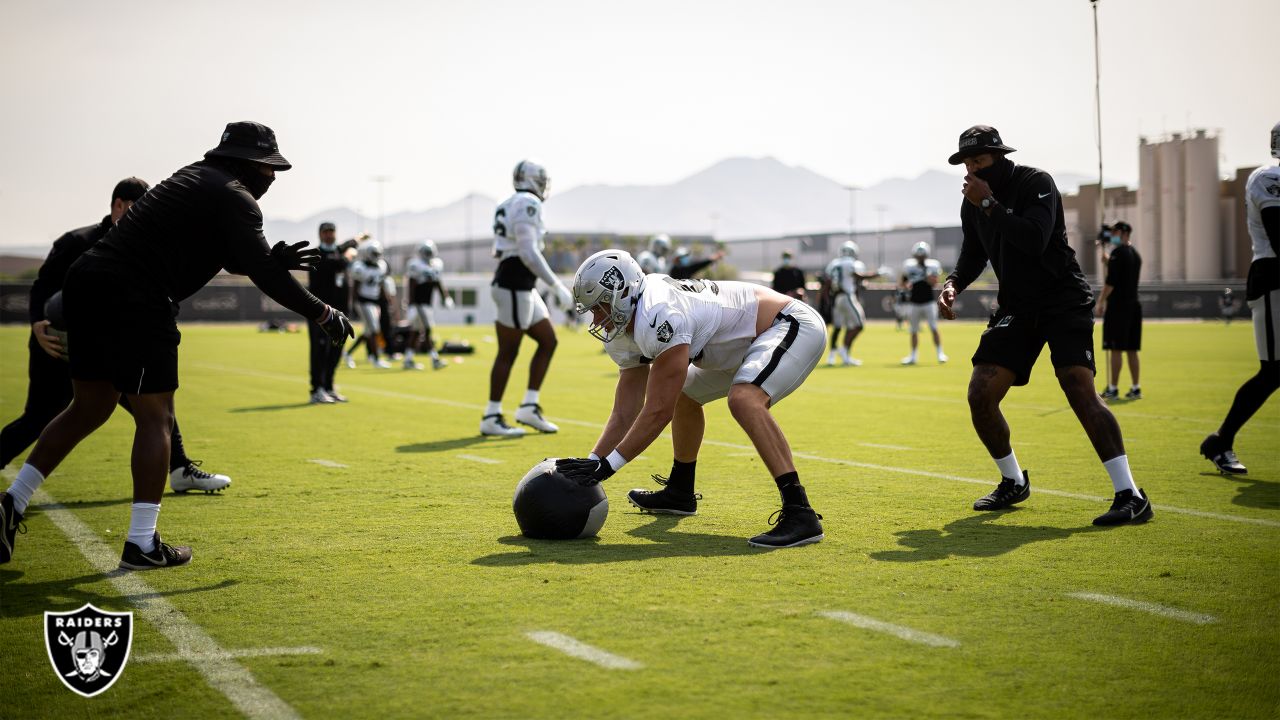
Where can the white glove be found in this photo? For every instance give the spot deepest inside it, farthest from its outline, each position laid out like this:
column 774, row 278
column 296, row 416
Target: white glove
column 448, row 302
column 563, row 297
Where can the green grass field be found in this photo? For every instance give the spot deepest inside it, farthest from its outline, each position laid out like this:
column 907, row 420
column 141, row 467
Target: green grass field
column 405, row 573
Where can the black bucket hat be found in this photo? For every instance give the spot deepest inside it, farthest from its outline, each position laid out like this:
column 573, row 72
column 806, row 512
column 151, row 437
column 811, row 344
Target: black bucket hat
column 250, row 141
column 977, row 140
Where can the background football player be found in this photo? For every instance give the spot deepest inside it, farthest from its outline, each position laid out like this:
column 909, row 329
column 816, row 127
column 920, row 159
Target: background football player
column 680, row 344
column 423, row 281
column 920, row 276
column 848, row 274
column 518, row 244
column 369, row 273
column 654, row 260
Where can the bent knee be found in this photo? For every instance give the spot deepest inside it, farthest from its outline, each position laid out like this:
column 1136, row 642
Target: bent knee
column 745, row 399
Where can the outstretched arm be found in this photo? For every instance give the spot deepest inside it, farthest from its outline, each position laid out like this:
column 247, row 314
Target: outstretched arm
column 628, row 399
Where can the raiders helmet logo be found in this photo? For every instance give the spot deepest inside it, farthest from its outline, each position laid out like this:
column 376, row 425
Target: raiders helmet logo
column 88, row 647
column 1273, row 189
column 531, row 210
column 664, row 332
column 612, row 280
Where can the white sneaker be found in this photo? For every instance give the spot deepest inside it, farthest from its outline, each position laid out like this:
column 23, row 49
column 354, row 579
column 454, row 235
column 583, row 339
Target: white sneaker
column 495, row 425
column 335, row 396
column 438, row 364
column 942, row 358
column 531, row 415
column 909, row 360
column 320, row 397
column 855, row 362
column 831, row 358
column 413, row 365
column 380, row 363
column 192, row 477
column 350, row 361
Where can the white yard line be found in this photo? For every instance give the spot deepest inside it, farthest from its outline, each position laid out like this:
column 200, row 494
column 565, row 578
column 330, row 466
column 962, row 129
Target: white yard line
column 807, row 456
column 582, row 651
column 898, row 631
column 228, row 654
column 1153, row 608
column 477, row 458
column 885, row 447
column 194, row 645
column 326, row 463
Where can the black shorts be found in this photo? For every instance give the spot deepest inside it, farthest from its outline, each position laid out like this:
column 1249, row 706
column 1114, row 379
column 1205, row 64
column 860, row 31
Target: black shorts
column 1122, row 327
column 120, row 331
column 1014, row 341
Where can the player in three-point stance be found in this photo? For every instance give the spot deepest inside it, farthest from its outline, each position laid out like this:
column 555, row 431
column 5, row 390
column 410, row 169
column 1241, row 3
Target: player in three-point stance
column 518, row 243
column 423, row 275
column 680, row 344
column 1262, row 293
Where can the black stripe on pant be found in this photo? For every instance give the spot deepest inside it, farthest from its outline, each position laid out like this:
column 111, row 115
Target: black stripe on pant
column 779, row 351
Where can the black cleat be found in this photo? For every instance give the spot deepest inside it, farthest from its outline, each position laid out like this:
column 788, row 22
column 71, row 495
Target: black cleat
column 665, row 501
column 10, row 525
column 162, row 556
column 1127, row 509
column 1133, row 394
column 1006, row 493
column 1109, row 394
column 1222, row 456
column 794, row 525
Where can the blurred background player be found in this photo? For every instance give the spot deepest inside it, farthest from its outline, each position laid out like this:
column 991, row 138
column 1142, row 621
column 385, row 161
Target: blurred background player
column 329, row 282
column 49, row 389
column 1262, row 293
column 1120, row 310
column 654, row 260
column 847, row 274
column 919, row 277
column 423, row 276
column 517, row 244
column 901, row 303
column 787, row 278
column 683, row 266
column 369, row 274
column 1227, row 304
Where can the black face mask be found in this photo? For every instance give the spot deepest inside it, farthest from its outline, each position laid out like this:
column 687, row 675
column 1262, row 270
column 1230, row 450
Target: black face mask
column 256, row 183
column 995, row 173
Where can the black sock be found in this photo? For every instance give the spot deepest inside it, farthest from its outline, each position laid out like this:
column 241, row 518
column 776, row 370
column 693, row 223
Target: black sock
column 1251, row 396
column 791, row 489
column 681, row 479
column 177, row 453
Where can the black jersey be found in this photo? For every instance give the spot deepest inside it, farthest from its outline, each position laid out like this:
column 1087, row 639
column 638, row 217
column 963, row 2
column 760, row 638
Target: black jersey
column 329, row 280
column 66, row 250
column 1122, row 274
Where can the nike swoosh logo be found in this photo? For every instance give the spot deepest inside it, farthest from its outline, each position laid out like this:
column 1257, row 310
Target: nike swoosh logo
column 654, row 323
column 1043, row 196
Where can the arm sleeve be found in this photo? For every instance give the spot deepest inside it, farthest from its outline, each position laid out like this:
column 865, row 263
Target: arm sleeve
column 52, row 274
column 1270, row 222
column 973, row 258
column 527, row 246
column 248, row 253
column 1028, row 231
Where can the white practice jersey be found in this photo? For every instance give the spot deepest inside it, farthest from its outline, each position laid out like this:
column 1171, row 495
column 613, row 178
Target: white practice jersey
column 651, row 263
column 369, row 279
column 843, row 272
column 523, row 207
column 424, row 271
column 1261, row 192
column 916, row 273
column 717, row 320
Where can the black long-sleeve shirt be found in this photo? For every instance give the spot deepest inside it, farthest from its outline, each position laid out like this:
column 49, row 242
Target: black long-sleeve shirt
column 688, row 270
column 788, row 278
column 329, row 280
column 66, row 250
column 185, row 230
column 1122, row 274
column 1025, row 240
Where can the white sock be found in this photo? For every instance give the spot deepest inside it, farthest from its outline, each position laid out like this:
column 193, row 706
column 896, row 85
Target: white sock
column 24, row 486
column 408, row 354
column 530, row 397
column 1121, row 478
column 1111, row 388
column 1009, row 468
column 434, row 354
column 142, row 525
column 493, row 408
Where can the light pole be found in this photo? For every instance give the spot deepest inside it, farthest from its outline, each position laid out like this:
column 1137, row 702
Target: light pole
column 853, row 208
column 880, row 210
column 382, row 181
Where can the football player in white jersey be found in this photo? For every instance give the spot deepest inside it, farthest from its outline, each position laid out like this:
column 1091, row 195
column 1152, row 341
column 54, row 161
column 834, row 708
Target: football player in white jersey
column 847, row 274
column 1262, row 293
column 654, row 260
column 369, row 274
column 920, row 276
column 518, row 243
column 680, row 344
column 423, row 279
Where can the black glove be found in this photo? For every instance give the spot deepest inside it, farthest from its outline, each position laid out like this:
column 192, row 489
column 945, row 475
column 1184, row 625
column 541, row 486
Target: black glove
column 585, row 471
column 347, row 245
column 296, row 256
column 336, row 326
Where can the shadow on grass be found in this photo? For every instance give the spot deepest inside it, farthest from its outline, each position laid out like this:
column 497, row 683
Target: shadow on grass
column 664, row 544
column 81, row 504
column 269, row 408
column 26, row 599
column 1254, row 493
column 451, row 444
column 971, row 536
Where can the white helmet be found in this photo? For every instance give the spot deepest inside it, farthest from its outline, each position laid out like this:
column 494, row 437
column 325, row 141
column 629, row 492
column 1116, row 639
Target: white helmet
column 1275, row 141
column 920, row 250
column 682, row 255
column 610, row 279
column 849, row 249
column 371, row 252
column 532, row 177
column 660, row 244
column 427, row 249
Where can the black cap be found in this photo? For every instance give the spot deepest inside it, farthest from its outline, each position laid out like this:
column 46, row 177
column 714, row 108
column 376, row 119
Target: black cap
column 130, row 189
column 977, row 140
column 1123, row 227
column 327, row 226
column 250, row 141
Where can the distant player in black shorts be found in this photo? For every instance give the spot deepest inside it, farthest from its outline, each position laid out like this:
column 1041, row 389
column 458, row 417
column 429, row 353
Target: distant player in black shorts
column 121, row 304
column 1012, row 217
column 1120, row 310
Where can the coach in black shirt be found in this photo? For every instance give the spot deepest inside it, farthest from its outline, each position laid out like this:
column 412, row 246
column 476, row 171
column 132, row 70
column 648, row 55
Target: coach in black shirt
column 1012, row 217
column 1120, row 310
column 121, row 302
column 789, row 279
column 328, row 281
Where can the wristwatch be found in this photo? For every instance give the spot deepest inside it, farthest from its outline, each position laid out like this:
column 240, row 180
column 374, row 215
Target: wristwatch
column 987, row 203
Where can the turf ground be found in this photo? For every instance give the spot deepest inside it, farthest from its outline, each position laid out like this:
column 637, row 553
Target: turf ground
column 404, row 579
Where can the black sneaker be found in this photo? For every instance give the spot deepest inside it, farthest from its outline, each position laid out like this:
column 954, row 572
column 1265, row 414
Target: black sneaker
column 793, row 525
column 1006, row 493
column 1133, row 394
column 10, row 525
column 665, row 501
column 1110, row 394
column 1222, row 456
column 162, row 556
column 1126, row 509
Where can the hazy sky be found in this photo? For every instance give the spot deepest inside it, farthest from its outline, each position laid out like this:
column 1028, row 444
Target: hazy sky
column 445, row 97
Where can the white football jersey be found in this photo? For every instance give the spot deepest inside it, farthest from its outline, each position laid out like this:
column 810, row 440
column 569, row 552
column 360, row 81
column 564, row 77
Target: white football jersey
column 651, row 263
column 843, row 272
column 424, row 271
column 523, row 207
column 1261, row 192
column 717, row 320
column 916, row 273
column 368, row 278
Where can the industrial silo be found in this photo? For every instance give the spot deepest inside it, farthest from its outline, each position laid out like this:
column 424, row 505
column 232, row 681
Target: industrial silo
column 1146, row 237
column 1203, row 249
column 1172, row 203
